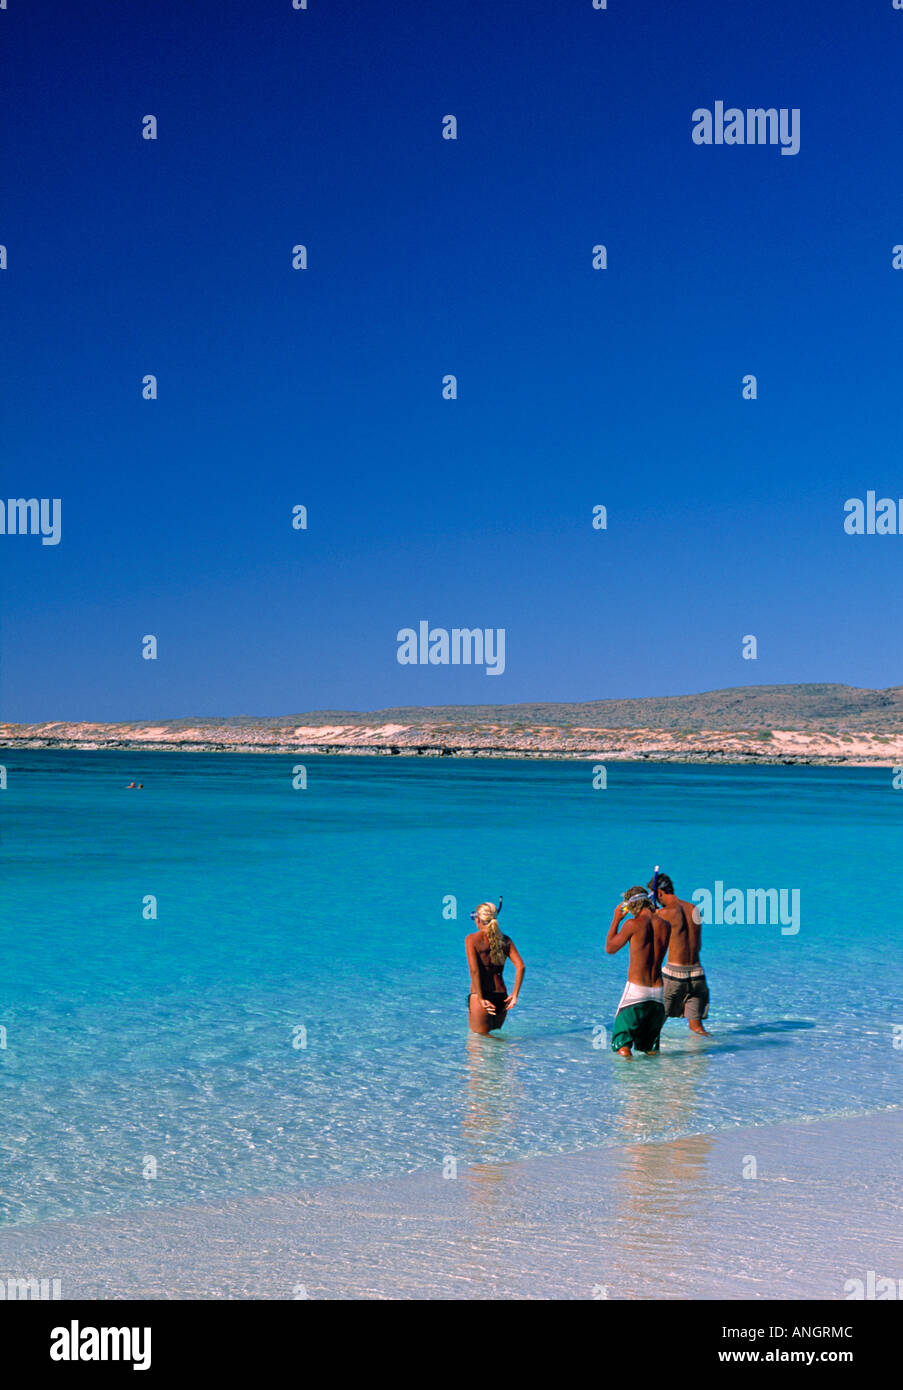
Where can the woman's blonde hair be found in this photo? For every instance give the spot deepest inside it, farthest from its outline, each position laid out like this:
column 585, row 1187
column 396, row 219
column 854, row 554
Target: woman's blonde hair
column 485, row 916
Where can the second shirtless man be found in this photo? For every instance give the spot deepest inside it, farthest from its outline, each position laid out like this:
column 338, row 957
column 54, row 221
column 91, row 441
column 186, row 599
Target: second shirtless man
column 686, row 989
column 641, row 1012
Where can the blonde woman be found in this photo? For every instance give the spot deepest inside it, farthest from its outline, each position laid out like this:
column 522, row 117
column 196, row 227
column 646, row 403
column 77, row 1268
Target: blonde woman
column 488, row 1001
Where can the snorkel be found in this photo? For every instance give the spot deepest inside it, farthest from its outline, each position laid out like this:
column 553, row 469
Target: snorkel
column 655, row 901
column 473, row 915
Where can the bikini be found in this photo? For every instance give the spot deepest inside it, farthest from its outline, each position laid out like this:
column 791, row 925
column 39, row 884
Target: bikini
column 496, row 997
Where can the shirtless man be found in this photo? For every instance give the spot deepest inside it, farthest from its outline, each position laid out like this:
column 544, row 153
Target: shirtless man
column 686, row 990
column 641, row 1012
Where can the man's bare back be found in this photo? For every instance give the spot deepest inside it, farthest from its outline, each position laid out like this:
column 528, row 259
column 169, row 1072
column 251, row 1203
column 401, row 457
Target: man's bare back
column 686, row 929
column 641, row 1012
column 686, row 988
column 648, row 936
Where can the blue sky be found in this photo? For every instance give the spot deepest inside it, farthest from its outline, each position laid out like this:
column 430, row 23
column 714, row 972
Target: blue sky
column 427, row 256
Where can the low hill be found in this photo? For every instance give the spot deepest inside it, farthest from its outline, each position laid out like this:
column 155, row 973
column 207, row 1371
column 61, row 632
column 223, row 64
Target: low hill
column 745, row 707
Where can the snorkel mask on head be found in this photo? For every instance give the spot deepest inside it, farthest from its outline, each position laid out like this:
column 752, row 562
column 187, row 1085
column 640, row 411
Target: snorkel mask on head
column 637, row 898
column 473, row 915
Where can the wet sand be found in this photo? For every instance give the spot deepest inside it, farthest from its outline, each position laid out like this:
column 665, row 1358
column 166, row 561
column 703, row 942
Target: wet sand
column 667, row 1220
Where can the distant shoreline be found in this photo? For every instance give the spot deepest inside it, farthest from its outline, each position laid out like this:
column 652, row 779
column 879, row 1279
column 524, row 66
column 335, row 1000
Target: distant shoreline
column 726, row 754
column 828, row 725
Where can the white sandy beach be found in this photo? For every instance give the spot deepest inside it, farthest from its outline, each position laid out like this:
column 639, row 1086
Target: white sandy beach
column 671, row 1220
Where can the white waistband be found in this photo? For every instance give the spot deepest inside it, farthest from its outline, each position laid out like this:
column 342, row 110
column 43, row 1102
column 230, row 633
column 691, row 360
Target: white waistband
column 637, row 994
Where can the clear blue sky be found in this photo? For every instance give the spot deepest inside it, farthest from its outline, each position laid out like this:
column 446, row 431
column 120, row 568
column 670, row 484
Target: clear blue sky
column 427, row 256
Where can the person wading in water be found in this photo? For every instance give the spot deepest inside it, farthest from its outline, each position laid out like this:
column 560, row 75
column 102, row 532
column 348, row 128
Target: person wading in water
column 488, row 951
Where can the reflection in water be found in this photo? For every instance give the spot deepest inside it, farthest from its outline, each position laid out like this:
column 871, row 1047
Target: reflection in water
column 659, row 1183
column 490, row 1104
column 655, row 1186
column 659, row 1093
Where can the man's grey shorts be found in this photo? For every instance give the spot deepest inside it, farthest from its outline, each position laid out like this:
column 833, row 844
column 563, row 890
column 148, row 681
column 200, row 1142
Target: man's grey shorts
column 686, row 992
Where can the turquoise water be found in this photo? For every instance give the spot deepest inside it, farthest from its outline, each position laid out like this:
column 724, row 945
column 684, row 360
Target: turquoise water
column 130, row 1040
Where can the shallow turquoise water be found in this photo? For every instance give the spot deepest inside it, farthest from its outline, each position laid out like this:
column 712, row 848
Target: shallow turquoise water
column 171, row 1040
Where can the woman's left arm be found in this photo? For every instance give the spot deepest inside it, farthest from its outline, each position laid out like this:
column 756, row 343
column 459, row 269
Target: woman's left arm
column 520, row 971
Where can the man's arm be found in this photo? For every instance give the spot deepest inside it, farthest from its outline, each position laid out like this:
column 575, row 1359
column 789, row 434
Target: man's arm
column 697, row 919
column 616, row 939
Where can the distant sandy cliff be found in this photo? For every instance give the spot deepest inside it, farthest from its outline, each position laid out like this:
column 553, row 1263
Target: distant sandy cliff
column 834, row 724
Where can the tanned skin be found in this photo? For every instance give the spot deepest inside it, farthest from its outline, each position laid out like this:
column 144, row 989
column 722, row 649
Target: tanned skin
column 648, row 934
column 686, row 938
column 486, row 979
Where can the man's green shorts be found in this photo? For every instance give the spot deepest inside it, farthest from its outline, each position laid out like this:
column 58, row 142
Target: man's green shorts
column 639, row 1026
